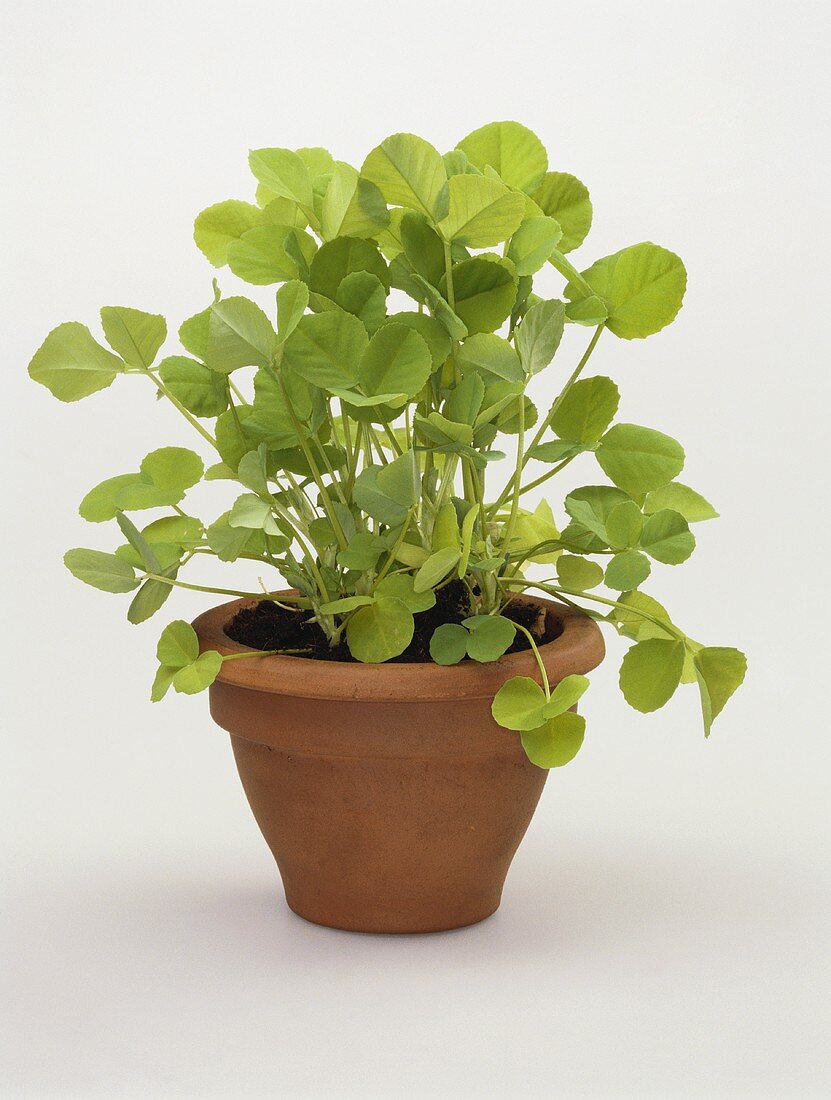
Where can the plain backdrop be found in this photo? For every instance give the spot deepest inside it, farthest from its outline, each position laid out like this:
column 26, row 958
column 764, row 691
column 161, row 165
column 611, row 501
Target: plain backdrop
column 665, row 927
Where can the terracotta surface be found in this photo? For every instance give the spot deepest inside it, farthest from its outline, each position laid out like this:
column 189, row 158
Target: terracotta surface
column 391, row 800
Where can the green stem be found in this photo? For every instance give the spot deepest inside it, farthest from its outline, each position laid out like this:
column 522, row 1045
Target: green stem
column 538, row 657
column 520, row 448
column 162, row 388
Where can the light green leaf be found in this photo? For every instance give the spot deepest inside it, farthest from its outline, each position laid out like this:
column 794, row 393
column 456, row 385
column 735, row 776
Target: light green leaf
column 627, row 570
column 283, row 173
column 397, row 360
column 172, row 470
column 565, row 198
column 436, row 568
column 519, row 704
column 135, row 335
column 565, row 695
column 643, row 287
column 409, row 172
column 590, row 505
column 363, row 551
column 178, row 645
column 422, row 246
column 381, row 631
column 431, row 330
column 539, row 333
column 631, row 613
column 326, row 348
column 680, row 498
column 586, row 410
column 512, row 150
column 292, row 303
column 72, row 365
column 441, row 311
column 556, row 450
column 201, row 390
column 591, row 311
column 578, row 574
column 347, row 603
column 720, row 671
column 638, row 459
column 254, row 513
column 271, row 254
column 101, row 503
column 388, row 493
column 239, row 335
column 481, row 212
column 490, row 637
column 138, row 542
column 650, row 673
column 222, row 223
column 485, row 289
column 352, row 206
column 151, row 597
column 401, row 586
column 556, row 742
column 103, row 571
column 448, row 645
column 336, row 259
column 490, row 356
column 365, row 296
column 533, row 243
column 667, row 538
column 161, row 683
column 195, row 677
column 624, row 525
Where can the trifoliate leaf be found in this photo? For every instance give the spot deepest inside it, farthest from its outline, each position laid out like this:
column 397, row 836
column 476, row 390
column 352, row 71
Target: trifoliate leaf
column 381, row 631
column 650, row 673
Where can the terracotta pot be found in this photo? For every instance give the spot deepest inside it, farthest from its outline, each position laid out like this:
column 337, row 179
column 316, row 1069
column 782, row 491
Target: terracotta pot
column 389, row 797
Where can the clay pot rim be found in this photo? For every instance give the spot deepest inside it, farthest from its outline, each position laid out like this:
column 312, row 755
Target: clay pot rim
column 579, row 648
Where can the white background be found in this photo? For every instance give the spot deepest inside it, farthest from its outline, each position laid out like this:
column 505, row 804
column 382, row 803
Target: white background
column 665, row 928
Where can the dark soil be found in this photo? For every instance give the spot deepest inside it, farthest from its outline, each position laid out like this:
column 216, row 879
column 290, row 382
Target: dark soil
column 267, row 626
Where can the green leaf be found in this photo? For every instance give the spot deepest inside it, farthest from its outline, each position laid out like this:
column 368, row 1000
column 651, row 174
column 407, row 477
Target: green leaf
column 624, row 525
column 336, row 259
column 638, row 459
column 195, row 677
column 556, row 450
column 103, row 571
column 251, row 511
column 422, row 246
column 326, row 348
column 431, row 330
column 365, row 296
column 587, row 409
column 401, row 586
column 490, row 637
column 172, row 470
column 533, row 243
column 519, row 704
column 667, row 538
column 565, row 198
column 409, row 172
column 352, row 206
column 590, row 505
column 72, row 365
column 481, row 212
column 643, row 287
column 397, row 360
column 222, row 223
column 485, row 289
column 627, row 570
column 538, row 335
column 292, row 303
column 201, row 390
column 680, row 498
column 101, row 503
column 271, row 254
column 512, row 150
column 151, row 597
column 239, row 335
column 441, row 310
column 577, row 573
column 161, row 683
column 556, row 741
column 138, row 542
column 135, row 335
column 490, row 356
column 363, row 551
column 630, row 612
column 719, row 671
column 448, row 645
column 193, row 334
column 590, row 311
column 650, row 673
column 283, row 173
column 347, row 603
column 566, row 695
column 436, row 568
column 387, row 493
column 381, row 631
column 178, row 645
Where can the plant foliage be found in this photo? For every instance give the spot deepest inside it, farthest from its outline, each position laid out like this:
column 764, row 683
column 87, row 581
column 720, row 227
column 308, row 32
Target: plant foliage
column 364, row 441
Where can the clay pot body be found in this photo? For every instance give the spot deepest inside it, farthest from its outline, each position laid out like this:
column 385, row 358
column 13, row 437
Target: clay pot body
column 389, row 797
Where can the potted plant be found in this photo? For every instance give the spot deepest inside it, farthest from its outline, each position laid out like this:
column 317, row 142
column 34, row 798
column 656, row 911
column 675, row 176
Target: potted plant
column 395, row 710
